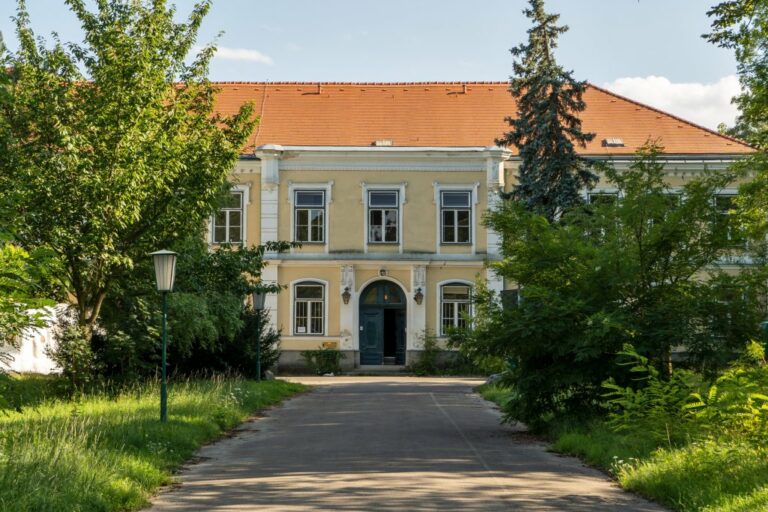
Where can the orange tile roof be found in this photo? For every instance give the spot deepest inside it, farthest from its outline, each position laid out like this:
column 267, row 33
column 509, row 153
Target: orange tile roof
column 445, row 114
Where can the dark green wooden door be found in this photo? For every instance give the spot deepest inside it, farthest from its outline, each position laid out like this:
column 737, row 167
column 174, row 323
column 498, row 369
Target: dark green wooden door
column 400, row 334
column 371, row 336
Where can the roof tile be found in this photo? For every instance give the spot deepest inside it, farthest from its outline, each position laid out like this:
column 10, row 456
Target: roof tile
column 445, row 114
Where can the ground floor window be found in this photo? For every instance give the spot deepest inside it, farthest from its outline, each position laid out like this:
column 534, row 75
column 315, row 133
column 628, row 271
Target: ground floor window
column 308, row 308
column 454, row 306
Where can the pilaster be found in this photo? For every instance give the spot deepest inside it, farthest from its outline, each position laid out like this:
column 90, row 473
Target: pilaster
column 347, row 321
column 269, row 155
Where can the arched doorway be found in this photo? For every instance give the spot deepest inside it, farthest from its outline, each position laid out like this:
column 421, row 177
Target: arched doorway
column 382, row 324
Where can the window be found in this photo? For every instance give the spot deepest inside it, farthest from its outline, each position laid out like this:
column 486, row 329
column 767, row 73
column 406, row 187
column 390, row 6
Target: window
column 383, row 213
column 725, row 205
column 456, row 214
column 228, row 221
column 603, row 198
column 671, row 201
column 309, row 216
column 308, row 308
column 454, row 305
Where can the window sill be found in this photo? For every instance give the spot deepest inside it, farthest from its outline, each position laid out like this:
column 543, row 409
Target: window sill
column 467, row 244
column 383, row 243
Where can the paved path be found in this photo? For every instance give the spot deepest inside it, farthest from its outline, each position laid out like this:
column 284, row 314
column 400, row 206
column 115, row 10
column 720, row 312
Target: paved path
column 388, row 443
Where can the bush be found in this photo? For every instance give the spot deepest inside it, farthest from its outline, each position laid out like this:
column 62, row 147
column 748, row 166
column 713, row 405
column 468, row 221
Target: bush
column 323, row 361
column 239, row 355
column 685, row 407
column 428, row 362
column 74, row 356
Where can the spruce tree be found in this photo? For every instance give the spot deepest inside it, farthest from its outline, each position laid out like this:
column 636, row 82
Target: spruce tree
column 546, row 128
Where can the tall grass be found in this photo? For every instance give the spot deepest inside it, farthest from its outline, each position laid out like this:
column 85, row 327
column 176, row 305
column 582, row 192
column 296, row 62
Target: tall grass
column 104, row 452
column 727, row 473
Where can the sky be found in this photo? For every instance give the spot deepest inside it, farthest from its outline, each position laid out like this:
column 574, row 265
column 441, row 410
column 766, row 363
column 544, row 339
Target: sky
column 649, row 50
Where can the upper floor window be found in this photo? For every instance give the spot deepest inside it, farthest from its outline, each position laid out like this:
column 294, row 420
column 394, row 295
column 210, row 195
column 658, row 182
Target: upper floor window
column 309, row 216
column 726, row 205
column 455, row 300
column 456, row 214
column 309, row 308
column 603, row 198
column 228, row 221
column 383, row 214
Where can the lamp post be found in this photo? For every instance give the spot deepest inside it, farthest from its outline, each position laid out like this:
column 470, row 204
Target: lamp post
column 258, row 306
column 165, row 272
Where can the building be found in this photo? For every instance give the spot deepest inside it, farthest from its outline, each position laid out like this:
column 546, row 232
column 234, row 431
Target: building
column 385, row 184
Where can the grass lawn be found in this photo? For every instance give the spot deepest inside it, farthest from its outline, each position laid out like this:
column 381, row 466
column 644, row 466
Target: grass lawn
column 104, row 452
column 706, row 476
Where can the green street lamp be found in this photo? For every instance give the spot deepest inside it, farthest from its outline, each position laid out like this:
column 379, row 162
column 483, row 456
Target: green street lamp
column 258, row 305
column 165, row 272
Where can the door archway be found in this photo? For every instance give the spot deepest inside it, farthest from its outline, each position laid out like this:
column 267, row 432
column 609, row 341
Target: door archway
column 382, row 324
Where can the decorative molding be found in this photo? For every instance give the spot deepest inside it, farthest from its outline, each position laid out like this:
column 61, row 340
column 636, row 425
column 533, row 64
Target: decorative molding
column 347, row 277
column 420, row 276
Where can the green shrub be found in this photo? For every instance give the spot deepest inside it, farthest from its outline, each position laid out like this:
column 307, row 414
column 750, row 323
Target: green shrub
column 428, row 362
column 323, row 361
column 73, row 354
column 685, row 407
column 652, row 408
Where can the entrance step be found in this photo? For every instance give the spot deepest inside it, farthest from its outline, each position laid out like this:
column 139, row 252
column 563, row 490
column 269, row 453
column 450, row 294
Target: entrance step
column 377, row 369
column 389, row 360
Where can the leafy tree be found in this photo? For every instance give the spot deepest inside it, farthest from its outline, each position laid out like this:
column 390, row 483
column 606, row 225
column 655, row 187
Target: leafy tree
column 111, row 149
column 209, row 329
column 21, row 290
column 742, row 26
column 641, row 270
column 547, row 129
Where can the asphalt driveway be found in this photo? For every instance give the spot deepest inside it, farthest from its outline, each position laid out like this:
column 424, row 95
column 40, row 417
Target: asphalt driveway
column 388, row 443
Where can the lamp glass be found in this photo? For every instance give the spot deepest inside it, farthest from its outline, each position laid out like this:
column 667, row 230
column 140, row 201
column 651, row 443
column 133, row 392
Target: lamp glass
column 258, row 300
column 165, row 269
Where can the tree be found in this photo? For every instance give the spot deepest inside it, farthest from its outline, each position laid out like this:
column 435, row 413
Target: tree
column 21, row 276
column 742, row 26
column 641, row 270
column 111, row 149
column 546, row 128
column 209, row 327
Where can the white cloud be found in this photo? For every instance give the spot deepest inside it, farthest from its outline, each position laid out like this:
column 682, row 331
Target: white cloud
column 705, row 104
column 243, row 54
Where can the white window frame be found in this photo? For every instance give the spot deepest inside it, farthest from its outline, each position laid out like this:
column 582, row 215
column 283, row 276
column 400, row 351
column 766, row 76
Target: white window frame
column 315, row 282
column 327, row 188
column 602, row 192
column 395, row 187
column 439, row 301
column 439, row 188
column 297, row 207
column 455, row 210
column 244, row 191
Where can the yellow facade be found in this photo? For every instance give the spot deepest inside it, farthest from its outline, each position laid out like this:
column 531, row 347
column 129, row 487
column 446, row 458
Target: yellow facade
column 352, row 270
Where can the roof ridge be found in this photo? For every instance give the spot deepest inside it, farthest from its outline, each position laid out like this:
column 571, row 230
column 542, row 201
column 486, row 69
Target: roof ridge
column 673, row 116
column 263, row 82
